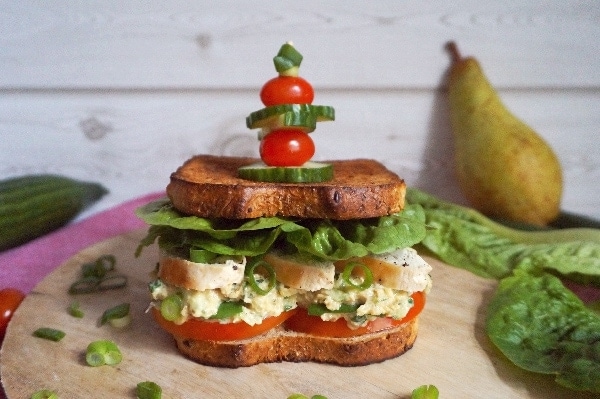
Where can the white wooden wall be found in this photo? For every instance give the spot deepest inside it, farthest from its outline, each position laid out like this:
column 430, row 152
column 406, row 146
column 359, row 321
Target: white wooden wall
column 122, row 92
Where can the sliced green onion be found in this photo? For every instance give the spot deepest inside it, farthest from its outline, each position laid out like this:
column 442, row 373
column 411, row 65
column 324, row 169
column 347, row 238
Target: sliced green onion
column 44, row 394
column 171, row 307
column 115, row 313
column 252, row 280
column 202, row 255
column 99, row 267
column 425, row 392
column 148, row 390
column 103, row 352
column 85, row 285
column 367, row 280
column 75, row 310
column 112, row 282
column 228, row 309
column 319, row 309
column 51, row 334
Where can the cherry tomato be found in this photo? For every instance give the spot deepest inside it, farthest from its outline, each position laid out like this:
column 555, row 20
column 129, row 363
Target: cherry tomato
column 286, row 147
column 214, row 331
column 287, row 90
column 10, row 299
column 314, row 325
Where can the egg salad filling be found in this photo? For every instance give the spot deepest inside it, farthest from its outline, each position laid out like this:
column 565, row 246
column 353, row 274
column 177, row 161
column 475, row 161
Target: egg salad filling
column 356, row 297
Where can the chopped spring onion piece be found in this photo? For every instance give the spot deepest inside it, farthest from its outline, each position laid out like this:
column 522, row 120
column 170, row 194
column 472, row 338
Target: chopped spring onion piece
column 368, row 275
column 171, row 307
column 95, row 277
column 84, row 286
column 94, row 284
column 228, row 309
column 103, row 352
column 44, row 394
column 112, row 282
column 148, row 390
column 319, row 309
column 202, row 255
column 50, row 334
column 425, row 392
column 75, row 310
column 300, row 396
column 99, row 267
column 252, row 280
column 115, row 313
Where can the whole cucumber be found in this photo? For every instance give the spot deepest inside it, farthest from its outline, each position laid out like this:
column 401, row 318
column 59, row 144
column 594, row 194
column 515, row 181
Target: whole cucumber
column 33, row 205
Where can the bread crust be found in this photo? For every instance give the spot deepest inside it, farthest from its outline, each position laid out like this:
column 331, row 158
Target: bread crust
column 279, row 345
column 208, row 186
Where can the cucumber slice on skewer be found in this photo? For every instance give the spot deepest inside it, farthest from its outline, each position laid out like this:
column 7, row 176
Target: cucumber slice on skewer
column 310, row 172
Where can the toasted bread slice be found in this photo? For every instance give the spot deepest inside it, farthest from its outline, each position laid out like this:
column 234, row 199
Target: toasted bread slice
column 208, row 186
column 279, row 345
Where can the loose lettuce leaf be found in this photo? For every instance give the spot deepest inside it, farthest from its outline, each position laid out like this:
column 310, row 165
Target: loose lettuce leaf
column 541, row 326
column 465, row 238
column 326, row 239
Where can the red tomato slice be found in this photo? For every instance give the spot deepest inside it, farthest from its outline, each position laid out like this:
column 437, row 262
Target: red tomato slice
column 286, row 147
column 314, row 325
column 287, row 90
column 214, row 331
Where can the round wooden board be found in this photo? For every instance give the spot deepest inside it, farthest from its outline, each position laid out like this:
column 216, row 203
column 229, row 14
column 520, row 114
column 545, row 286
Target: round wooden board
column 451, row 351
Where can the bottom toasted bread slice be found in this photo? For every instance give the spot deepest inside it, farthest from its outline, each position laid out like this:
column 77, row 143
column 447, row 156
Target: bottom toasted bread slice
column 278, row 345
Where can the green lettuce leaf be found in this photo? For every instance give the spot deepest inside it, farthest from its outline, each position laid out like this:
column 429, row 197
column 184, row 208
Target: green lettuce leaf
column 465, row 238
column 541, row 326
column 326, row 239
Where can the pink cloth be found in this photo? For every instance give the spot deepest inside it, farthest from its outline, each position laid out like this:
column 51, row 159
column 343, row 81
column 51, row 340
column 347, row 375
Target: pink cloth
column 25, row 266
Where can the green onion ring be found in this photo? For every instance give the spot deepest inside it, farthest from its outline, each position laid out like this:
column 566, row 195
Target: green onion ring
column 148, row 390
column 75, row 310
column 347, row 273
column 103, row 352
column 252, row 281
column 112, row 282
column 171, row 307
column 44, row 394
column 116, row 312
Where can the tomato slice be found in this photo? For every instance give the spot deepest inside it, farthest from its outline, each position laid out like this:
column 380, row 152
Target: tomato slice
column 286, row 147
column 287, row 90
column 215, row 331
column 314, row 325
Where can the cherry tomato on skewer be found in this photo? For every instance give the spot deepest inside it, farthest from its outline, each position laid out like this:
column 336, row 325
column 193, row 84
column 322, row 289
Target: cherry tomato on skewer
column 286, row 147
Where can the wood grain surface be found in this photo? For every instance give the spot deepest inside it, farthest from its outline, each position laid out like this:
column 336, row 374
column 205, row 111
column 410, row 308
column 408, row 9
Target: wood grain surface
column 451, row 351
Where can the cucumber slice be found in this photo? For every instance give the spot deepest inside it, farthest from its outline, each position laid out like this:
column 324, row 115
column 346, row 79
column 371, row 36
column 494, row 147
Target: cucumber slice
column 310, row 172
column 286, row 115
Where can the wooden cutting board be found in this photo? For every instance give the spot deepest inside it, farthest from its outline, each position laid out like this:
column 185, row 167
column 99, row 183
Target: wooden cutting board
column 452, row 350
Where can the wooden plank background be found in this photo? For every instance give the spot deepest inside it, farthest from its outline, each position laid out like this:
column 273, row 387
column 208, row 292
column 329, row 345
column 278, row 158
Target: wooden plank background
column 123, row 92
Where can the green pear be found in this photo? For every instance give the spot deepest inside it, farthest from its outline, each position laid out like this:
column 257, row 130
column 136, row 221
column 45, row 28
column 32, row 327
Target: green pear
column 505, row 169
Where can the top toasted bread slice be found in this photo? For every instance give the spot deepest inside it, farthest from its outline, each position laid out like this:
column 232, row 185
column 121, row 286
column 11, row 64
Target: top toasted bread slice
column 209, row 186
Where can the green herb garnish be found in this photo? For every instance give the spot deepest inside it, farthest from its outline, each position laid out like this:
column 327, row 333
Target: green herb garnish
column 51, row 334
column 148, row 390
column 425, row 392
column 103, row 352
